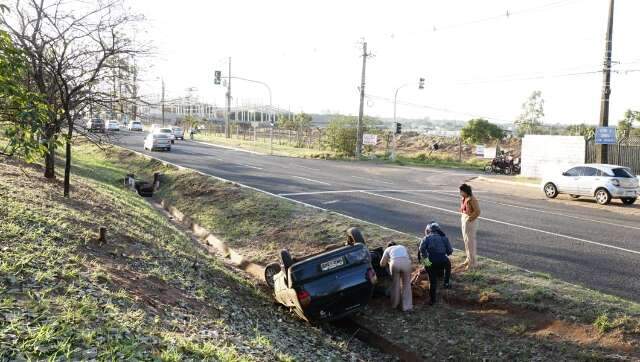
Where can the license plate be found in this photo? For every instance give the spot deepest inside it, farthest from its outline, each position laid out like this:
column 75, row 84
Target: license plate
column 332, row 264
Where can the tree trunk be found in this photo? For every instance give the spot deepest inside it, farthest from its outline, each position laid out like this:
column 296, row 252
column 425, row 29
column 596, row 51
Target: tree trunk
column 49, row 160
column 67, row 163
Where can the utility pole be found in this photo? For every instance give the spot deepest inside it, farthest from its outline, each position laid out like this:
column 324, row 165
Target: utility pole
column 361, row 112
column 227, row 130
column 601, row 150
column 162, row 102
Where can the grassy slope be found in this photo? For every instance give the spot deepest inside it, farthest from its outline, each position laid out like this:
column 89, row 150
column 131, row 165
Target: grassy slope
column 259, row 226
column 149, row 293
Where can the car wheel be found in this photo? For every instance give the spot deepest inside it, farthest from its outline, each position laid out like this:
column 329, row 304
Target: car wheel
column 168, row 149
column 508, row 171
column 628, row 200
column 575, row 196
column 285, row 258
column 270, row 272
column 488, row 169
column 603, row 197
column 550, row 190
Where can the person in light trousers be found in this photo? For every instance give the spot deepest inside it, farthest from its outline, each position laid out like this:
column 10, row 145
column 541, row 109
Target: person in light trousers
column 399, row 262
column 469, row 211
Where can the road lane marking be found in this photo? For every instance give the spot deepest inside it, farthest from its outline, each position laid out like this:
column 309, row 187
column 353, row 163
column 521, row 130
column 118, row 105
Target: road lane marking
column 557, row 214
column 372, row 179
column 508, row 224
column 354, row 191
column 331, row 202
column 312, row 180
column 230, row 148
column 249, row 166
column 308, row 168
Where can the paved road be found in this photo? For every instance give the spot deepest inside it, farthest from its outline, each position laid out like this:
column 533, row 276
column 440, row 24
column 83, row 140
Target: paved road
column 590, row 247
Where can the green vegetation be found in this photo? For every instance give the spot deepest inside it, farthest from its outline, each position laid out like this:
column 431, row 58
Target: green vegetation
column 530, row 120
column 341, row 134
column 481, row 131
column 439, row 160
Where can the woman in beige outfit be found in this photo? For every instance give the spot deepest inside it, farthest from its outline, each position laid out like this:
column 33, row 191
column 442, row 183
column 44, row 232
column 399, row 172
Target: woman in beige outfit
column 470, row 211
column 397, row 257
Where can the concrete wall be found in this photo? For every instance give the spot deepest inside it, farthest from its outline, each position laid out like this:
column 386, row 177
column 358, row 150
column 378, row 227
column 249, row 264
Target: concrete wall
column 545, row 154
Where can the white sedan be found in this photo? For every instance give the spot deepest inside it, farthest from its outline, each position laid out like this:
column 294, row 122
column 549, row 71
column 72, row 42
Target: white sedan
column 155, row 141
column 602, row 181
column 112, row 125
column 167, row 131
column 135, row 126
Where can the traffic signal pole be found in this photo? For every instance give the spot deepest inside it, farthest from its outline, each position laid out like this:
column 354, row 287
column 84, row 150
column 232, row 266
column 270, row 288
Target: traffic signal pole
column 227, row 129
column 601, row 150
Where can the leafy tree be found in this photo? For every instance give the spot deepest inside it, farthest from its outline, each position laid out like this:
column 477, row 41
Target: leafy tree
column 341, row 133
column 300, row 121
column 480, row 131
column 625, row 126
column 584, row 130
column 21, row 112
column 530, row 120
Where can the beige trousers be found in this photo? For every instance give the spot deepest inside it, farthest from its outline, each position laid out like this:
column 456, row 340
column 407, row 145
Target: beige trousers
column 400, row 269
column 469, row 229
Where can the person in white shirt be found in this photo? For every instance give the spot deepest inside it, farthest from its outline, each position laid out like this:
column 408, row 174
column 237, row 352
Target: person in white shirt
column 399, row 262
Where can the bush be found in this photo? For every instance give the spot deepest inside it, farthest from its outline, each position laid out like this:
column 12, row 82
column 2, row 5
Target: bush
column 341, row 133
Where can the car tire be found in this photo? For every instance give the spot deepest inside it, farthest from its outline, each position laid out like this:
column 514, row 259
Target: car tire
column 168, row 149
column 575, row 196
column 285, row 258
column 603, row 197
column 628, row 200
column 488, row 169
column 550, row 190
column 508, row 171
column 270, row 272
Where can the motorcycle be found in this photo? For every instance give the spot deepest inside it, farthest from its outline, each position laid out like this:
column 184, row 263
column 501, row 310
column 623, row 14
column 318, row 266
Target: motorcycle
column 503, row 164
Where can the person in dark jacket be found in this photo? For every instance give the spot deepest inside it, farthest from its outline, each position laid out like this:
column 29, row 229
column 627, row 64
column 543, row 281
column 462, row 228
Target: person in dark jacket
column 434, row 253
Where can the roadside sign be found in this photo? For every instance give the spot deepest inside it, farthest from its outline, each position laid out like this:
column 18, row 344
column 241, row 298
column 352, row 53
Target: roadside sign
column 369, row 139
column 480, row 150
column 490, row 152
column 606, row 136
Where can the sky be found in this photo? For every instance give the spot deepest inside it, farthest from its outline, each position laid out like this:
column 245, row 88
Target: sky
column 477, row 61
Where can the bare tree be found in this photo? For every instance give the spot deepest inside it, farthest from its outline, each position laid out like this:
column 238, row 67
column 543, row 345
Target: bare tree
column 70, row 46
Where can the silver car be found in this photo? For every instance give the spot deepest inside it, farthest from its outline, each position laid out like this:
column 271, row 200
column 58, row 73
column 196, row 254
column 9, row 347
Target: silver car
column 155, row 141
column 602, row 181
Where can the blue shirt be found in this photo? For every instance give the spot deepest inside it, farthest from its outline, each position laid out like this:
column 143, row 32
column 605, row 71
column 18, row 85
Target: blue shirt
column 435, row 247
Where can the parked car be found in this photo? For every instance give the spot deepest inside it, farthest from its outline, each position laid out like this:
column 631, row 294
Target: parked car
column 604, row 182
column 178, row 132
column 135, row 126
column 326, row 286
column 112, row 125
column 95, row 125
column 166, row 130
column 155, row 141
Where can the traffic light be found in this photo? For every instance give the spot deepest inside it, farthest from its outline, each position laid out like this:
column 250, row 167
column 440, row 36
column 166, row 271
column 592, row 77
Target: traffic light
column 398, row 127
column 217, row 75
column 421, row 83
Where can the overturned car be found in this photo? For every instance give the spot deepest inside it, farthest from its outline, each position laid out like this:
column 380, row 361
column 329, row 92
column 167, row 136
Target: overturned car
column 325, row 286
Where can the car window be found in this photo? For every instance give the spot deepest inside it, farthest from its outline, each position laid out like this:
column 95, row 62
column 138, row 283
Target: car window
column 589, row 171
column 622, row 172
column 165, row 130
column 159, row 135
column 573, row 171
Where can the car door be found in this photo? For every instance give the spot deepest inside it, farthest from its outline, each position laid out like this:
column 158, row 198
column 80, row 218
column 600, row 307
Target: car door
column 568, row 182
column 589, row 177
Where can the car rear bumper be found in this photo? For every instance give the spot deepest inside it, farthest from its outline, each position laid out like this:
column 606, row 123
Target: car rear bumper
column 623, row 192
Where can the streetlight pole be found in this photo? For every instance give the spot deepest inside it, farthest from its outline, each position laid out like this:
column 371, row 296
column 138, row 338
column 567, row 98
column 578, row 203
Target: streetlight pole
column 227, row 130
column 162, row 102
column 601, row 150
column 395, row 104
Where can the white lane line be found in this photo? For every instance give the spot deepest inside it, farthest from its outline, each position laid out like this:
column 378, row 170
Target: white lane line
column 331, row 202
column 237, row 164
column 355, row 191
column 508, row 224
column 308, row 168
column 372, row 179
column 312, row 180
column 230, row 148
column 249, row 166
column 558, row 214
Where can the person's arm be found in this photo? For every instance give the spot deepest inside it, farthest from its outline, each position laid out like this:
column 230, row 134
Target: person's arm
column 424, row 251
column 385, row 258
column 420, row 250
column 475, row 208
column 448, row 245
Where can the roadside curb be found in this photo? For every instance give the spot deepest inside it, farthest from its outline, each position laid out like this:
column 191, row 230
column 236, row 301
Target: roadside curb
column 514, row 183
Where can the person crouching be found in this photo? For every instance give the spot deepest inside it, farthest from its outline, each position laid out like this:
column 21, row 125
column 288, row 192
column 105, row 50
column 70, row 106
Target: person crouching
column 399, row 261
column 434, row 253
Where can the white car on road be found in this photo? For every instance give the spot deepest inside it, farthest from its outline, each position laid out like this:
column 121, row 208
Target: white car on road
column 178, row 132
column 135, row 126
column 167, row 131
column 112, row 125
column 604, row 182
column 155, row 141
